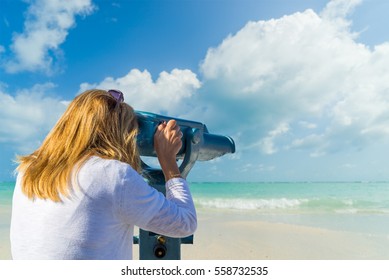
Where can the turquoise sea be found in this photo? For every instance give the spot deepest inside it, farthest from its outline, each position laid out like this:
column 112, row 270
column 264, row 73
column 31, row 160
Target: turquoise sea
column 361, row 207
column 347, row 206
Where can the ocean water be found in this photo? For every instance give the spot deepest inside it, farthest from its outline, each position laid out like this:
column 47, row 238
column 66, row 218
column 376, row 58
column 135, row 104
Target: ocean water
column 352, row 206
column 299, row 198
column 6, row 191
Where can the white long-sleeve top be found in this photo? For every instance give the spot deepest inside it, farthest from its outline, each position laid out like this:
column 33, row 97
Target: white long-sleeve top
column 98, row 221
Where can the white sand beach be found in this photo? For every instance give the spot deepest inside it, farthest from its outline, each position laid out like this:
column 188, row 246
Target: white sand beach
column 5, row 216
column 236, row 236
column 233, row 235
column 225, row 235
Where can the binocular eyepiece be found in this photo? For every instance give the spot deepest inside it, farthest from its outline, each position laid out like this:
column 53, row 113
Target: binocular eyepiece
column 197, row 142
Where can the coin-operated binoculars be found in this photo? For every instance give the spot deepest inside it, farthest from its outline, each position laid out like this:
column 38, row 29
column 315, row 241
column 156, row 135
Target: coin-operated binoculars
column 197, row 144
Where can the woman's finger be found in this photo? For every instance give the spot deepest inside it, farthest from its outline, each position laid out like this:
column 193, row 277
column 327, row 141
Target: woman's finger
column 171, row 124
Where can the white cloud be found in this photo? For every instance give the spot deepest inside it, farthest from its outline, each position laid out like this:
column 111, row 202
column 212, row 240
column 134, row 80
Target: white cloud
column 339, row 9
column 171, row 93
column 255, row 168
column 316, row 144
column 306, row 70
column 45, row 29
column 267, row 143
column 308, row 125
column 348, row 165
column 27, row 116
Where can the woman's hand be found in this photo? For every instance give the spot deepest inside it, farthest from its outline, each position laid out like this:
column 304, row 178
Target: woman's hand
column 167, row 143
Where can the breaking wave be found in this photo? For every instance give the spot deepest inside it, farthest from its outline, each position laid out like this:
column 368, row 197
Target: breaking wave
column 326, row 205
column 249, row 204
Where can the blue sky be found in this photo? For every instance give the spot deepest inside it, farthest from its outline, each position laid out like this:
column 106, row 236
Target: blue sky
column 302, row 86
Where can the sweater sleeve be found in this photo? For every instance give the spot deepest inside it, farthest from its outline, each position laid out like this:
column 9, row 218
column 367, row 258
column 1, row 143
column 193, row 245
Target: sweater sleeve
column 143, row 206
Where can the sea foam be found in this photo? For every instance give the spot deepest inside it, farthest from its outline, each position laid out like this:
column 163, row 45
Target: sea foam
column 249, row 204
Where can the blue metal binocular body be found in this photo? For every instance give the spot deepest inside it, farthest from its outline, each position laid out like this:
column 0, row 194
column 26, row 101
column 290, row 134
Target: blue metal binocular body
column 197, row 144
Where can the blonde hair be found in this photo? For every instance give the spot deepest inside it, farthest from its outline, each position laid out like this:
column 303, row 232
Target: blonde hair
column 93, row 124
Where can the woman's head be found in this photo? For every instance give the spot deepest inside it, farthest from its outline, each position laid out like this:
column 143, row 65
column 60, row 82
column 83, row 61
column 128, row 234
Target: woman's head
column 97, row 123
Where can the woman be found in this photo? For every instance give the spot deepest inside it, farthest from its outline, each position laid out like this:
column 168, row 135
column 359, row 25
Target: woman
column 79, row 195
